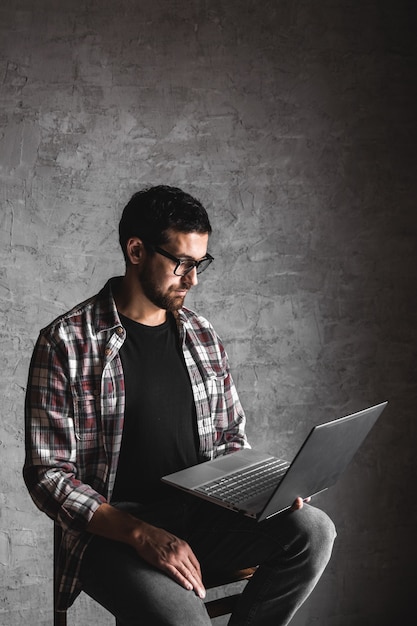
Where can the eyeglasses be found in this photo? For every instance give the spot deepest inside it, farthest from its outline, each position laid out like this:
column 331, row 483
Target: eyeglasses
column 183, row 266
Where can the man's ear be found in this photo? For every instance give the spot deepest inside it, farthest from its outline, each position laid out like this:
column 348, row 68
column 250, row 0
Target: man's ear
column 134, row 250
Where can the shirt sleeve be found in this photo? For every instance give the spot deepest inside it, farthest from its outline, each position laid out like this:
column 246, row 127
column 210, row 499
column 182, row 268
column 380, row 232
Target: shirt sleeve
column 50, row 471
column 230, row 412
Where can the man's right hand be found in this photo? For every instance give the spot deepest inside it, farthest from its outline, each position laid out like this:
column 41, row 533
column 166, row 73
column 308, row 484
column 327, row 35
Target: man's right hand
column 156, row 546
column 170, row 554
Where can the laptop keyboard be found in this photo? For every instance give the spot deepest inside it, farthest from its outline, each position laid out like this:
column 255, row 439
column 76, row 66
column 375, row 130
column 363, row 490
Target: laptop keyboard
column 247, row 483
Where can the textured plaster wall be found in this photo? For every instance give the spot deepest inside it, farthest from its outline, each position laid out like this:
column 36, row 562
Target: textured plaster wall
column 294, row 122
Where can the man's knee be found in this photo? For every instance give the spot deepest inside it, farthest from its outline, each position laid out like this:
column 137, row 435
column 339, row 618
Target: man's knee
column 324, row 526
column 316, row 536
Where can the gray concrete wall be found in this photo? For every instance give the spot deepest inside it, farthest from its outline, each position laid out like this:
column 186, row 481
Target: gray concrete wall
column 294, row 122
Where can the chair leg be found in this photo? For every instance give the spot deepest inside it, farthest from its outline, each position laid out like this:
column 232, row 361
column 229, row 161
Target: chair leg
column 60, row 617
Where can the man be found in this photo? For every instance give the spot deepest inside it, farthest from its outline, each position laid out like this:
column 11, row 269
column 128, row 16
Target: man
column 127, row 387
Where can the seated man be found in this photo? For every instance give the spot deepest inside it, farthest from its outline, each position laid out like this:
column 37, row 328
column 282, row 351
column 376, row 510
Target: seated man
column 127, row 387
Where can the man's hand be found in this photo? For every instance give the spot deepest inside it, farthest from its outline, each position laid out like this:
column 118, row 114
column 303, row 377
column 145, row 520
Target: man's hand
column 154, row 545
column 170, row 554
column 299, row 503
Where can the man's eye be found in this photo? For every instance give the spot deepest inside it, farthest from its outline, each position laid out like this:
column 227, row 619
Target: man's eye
column 187, row 264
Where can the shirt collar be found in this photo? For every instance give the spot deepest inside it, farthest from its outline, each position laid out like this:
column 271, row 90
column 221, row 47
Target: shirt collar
column 106, row 316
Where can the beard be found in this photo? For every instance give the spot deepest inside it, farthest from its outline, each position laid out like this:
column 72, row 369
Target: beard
column 168, row 300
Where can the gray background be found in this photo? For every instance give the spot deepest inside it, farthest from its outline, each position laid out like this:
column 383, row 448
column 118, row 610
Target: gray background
column 294, row 122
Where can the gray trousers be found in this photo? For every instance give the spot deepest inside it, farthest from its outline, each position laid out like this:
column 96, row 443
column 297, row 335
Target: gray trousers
column 292, row 550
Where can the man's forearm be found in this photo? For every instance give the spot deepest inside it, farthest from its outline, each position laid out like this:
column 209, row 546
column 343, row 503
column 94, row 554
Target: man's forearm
column 112, row 523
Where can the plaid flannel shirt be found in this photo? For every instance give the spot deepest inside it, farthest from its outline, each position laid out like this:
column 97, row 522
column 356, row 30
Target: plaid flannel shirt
column 75, row 410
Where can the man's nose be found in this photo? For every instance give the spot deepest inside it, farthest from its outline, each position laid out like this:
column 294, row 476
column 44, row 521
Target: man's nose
column 190, row 279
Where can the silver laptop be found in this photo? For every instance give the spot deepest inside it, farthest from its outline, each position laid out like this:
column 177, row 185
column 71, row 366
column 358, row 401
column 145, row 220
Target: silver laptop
column 260, row 485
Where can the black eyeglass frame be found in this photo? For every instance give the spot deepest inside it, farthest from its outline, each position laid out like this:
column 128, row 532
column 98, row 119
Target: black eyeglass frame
column 205, row 262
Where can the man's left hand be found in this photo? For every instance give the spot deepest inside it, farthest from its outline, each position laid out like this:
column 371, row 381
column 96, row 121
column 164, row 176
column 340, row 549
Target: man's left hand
column 299, row 503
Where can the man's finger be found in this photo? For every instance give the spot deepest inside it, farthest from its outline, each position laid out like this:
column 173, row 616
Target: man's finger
column 297, row 504
column 188, row 578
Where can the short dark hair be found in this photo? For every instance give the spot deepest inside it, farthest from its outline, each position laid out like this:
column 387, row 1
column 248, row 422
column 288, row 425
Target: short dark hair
column 151, row 212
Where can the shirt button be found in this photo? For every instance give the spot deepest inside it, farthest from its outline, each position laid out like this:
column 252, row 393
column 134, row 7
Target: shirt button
column 120, row 330
column 107, row 351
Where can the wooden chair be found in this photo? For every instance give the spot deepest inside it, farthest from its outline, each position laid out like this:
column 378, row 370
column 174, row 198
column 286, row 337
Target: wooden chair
column 215, row 608
column 226, row 604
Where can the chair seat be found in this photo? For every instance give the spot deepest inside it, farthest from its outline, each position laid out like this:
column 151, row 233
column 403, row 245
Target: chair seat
column 215, row 608
column 225, row 604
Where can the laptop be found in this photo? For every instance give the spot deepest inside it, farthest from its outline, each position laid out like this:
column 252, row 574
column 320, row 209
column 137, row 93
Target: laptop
column 260, row 485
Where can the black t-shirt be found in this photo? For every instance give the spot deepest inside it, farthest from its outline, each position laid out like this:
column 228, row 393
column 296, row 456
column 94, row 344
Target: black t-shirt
column 159, row 433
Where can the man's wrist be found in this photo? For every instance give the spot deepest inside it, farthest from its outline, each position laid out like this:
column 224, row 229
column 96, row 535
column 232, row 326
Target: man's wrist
column 112, row 523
